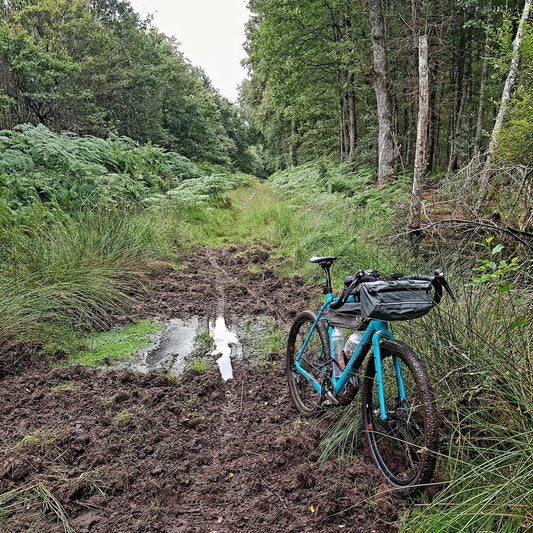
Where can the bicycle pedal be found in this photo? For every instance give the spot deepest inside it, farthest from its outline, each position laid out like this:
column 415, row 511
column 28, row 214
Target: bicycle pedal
column 330, row 400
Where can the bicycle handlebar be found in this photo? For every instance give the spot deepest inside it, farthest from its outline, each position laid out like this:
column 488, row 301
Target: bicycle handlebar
column 438, row 281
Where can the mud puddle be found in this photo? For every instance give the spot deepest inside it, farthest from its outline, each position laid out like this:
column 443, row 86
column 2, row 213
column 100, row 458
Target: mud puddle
column 225, row 343
column 183, row 341
column 170, row 349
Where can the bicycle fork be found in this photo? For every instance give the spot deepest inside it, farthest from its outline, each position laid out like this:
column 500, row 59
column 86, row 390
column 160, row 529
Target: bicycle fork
column 379, row 372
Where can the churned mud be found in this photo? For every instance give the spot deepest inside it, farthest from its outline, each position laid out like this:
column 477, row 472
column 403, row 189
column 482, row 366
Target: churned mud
column 226, row 281
column 93, row 450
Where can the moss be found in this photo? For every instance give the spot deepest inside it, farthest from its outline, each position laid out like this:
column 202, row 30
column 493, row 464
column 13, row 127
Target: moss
column 115, row 344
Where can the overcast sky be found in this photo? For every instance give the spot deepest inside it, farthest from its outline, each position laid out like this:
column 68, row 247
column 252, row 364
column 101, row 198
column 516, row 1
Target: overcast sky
column 210, row 33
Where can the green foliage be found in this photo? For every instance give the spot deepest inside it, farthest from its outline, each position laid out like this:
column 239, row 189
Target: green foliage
column 96, row 67
column 42, row 170
column 515, row 143
column 40, row 78
column 480, row 362
column 198, row 367
column 115, row 344
column 493, row 271
column 264, row 339
column 81, row 221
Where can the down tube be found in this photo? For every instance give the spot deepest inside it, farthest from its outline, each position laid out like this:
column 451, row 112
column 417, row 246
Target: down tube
column 379, row 373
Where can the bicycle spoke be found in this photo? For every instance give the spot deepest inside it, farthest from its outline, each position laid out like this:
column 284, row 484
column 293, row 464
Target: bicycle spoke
column 308, row 346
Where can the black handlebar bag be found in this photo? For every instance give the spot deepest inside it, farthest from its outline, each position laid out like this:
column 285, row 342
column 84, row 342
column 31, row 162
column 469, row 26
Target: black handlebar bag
column 395, row 300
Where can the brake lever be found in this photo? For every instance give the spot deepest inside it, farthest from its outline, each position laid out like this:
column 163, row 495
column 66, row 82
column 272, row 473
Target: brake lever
column 448, row 290
column 439, row 274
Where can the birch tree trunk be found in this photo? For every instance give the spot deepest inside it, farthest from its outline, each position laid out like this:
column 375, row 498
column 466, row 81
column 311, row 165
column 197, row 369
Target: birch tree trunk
column 506, row 96
column 482, row 91
column 386, row 153
column 421, row 132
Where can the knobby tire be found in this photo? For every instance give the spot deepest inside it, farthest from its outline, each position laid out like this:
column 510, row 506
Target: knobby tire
column 404, row 446
column 315, row 360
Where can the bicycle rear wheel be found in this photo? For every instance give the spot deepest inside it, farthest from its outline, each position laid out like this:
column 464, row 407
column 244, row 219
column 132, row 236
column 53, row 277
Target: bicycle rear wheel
column 404, row 445
column 314, row 360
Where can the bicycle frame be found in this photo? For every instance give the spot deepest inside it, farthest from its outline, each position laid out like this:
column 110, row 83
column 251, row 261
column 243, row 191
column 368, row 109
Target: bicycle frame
column 375, row 331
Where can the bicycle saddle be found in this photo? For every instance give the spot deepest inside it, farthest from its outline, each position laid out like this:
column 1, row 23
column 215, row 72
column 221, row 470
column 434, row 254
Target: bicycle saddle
column 322, row 260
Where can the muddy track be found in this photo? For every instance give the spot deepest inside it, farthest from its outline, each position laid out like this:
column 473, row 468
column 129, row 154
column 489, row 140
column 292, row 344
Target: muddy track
column 125, row 452
column 241, row 279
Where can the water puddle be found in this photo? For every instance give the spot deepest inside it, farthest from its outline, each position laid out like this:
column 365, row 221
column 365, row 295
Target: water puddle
column 224, row 341
column 197, row 339
column 171, row 348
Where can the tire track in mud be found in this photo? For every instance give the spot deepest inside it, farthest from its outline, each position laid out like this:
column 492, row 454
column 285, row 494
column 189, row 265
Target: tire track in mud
column 222, row 274
column 245, row 285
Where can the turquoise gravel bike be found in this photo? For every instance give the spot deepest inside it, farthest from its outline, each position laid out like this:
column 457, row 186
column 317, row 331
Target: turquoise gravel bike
column 400, row 418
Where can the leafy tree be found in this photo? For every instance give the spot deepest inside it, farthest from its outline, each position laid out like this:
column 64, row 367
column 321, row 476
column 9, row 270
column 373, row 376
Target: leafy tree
column 108, row 71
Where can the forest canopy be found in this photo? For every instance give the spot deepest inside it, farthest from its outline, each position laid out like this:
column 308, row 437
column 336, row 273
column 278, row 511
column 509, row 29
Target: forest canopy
column 95, row 67
column 313, row 89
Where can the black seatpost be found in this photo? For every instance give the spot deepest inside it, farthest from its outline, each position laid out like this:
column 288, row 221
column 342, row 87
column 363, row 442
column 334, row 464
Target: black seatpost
column 327, row 287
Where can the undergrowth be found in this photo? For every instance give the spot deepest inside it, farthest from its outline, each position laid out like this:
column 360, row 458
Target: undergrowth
column 82, row 222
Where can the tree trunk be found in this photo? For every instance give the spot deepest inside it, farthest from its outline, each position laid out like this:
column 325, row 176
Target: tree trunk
column 433, row 126
column 421, row 133
column 346, row 126
column 352, row 119
column 293, row 144
column 386, row 153
column 341, row 127
column 459, row 98
column 482, row 91
column 506, row 96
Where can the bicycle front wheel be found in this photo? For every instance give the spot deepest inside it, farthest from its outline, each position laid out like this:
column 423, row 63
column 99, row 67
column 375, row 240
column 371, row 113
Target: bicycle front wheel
column 314, row 360
column 404, row 445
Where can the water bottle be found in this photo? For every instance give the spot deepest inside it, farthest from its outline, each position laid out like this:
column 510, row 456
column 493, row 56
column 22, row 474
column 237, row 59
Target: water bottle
column 351, row 388
column 337, row 344
column 351, row 344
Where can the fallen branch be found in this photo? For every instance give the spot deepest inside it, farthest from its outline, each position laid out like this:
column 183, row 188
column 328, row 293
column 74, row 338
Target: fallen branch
column 514, row 233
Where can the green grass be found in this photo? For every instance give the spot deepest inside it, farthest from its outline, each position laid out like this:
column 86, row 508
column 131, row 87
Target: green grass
column 115, row 344
column 63, row 388
column 35, row 495
column 200, row 367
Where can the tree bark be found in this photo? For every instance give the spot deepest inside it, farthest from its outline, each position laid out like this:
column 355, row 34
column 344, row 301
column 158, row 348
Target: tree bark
column 482, row 91
column 433, row 126
column 459, row 99
column 352, row 119
column 293, row 144
column 341, row 127
column 386, row 152
column 506, row 96
column 421, row 133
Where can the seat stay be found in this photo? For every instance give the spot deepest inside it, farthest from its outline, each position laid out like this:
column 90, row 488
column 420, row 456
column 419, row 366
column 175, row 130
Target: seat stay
column 317, row 386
